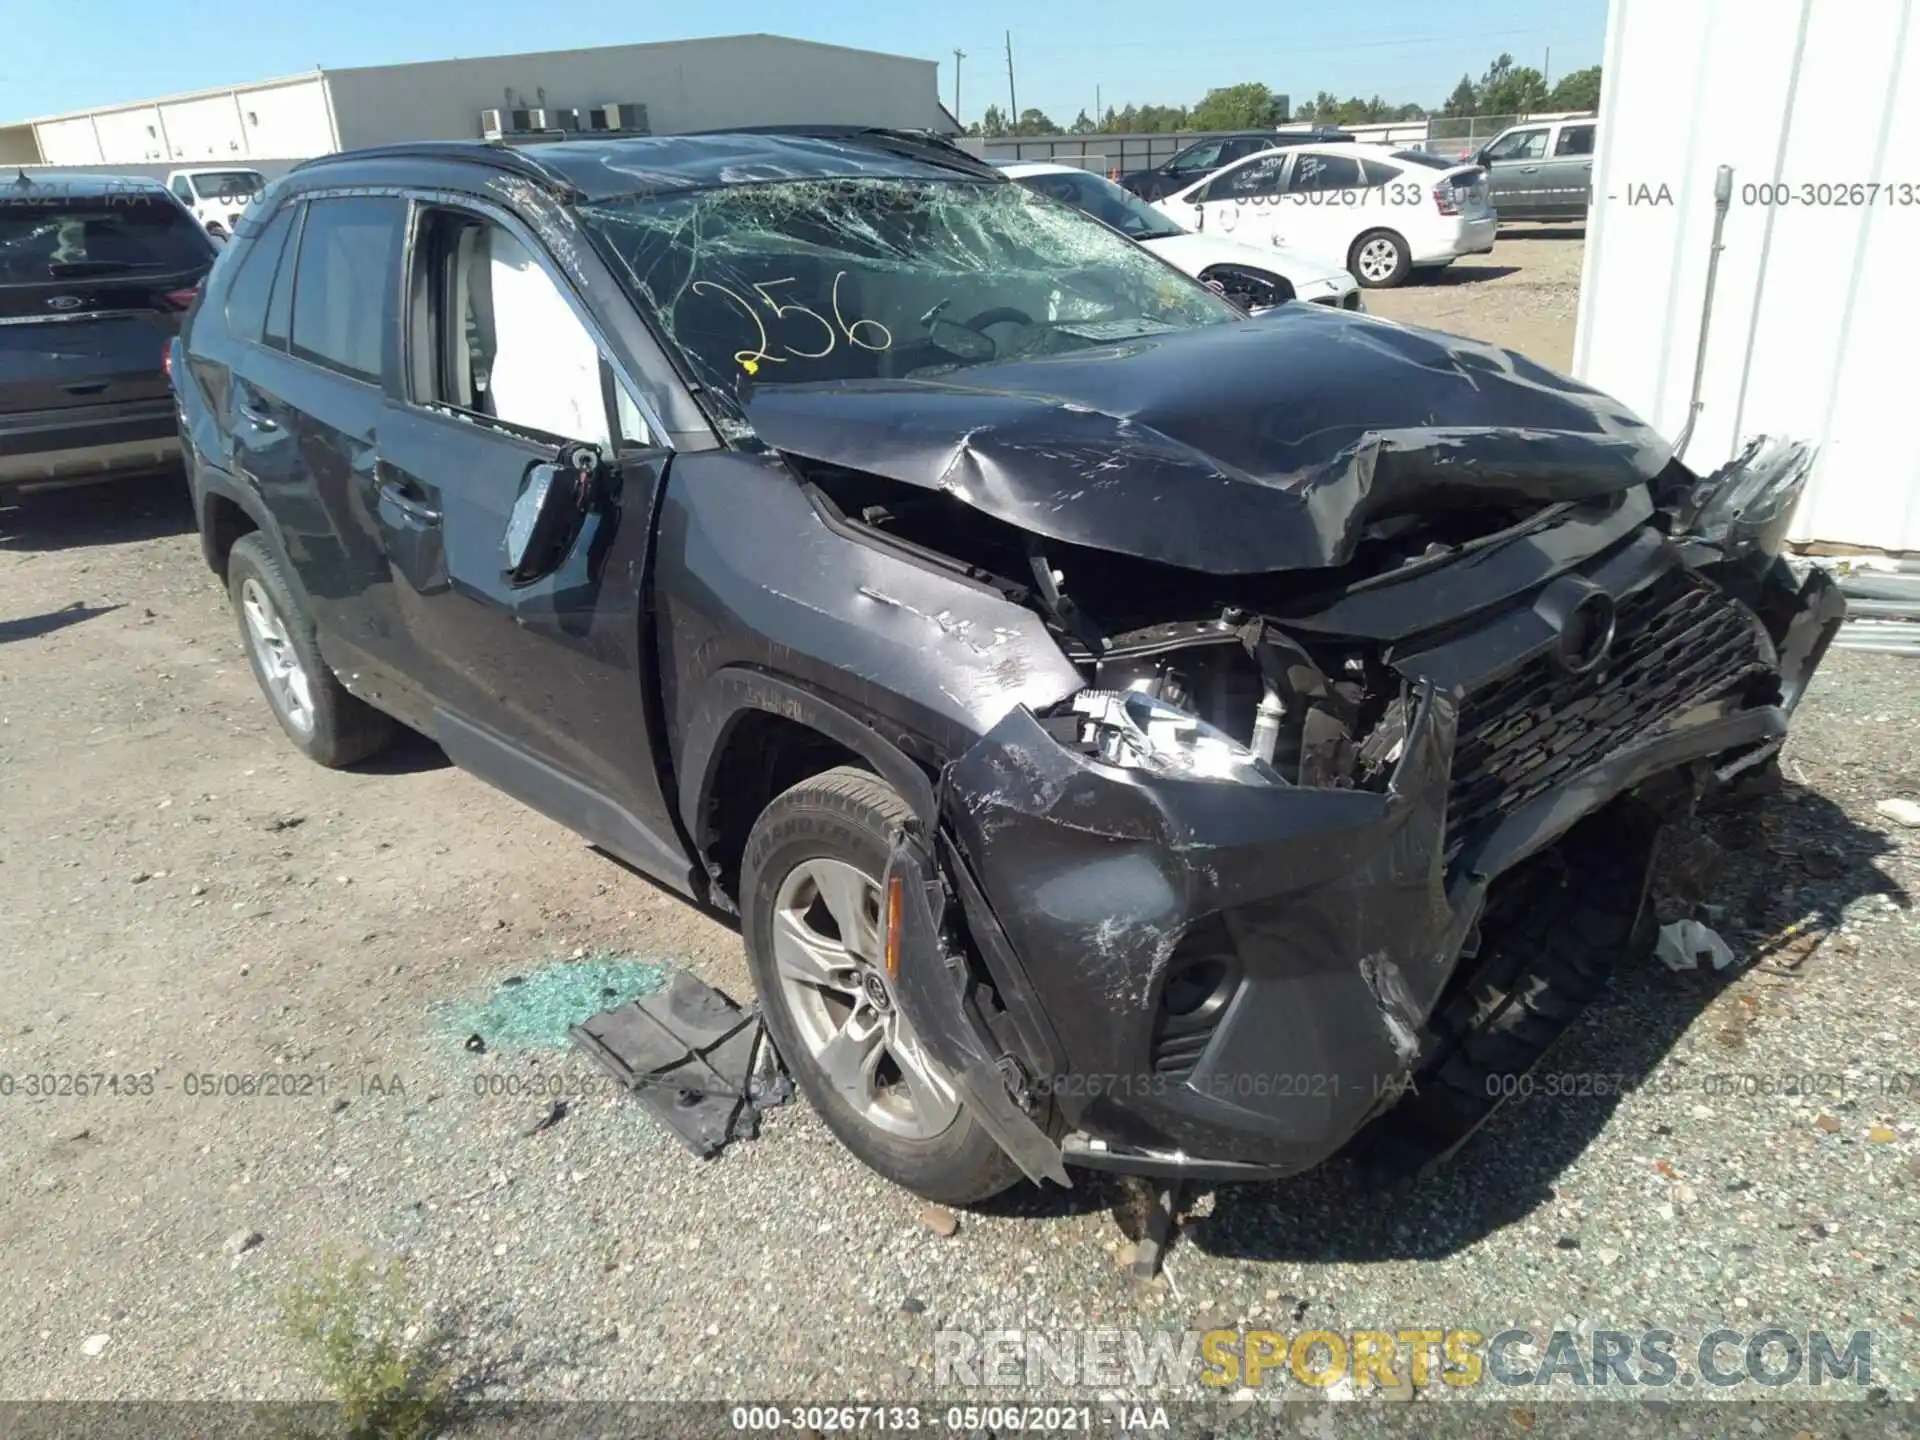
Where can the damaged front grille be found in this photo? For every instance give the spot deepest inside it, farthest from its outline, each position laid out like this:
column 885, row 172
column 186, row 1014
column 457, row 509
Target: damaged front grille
column 1677, row 643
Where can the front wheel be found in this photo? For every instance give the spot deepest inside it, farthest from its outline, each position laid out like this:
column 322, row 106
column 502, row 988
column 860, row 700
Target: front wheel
column 813, row 921
column 1380, row 260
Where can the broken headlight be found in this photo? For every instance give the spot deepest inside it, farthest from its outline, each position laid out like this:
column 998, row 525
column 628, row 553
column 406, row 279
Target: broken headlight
column 1134, row 730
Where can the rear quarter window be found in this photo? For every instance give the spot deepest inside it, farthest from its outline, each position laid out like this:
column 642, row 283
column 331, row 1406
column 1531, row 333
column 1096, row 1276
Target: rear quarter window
column 253, row 283
column 56, row 237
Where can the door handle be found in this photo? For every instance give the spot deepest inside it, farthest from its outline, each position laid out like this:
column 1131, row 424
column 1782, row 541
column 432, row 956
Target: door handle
column 259, row 418
column 1529, row 169
column 407, row 502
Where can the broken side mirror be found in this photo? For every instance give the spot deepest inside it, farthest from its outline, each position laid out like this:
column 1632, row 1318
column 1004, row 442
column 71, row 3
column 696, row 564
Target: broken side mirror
column 555, row 497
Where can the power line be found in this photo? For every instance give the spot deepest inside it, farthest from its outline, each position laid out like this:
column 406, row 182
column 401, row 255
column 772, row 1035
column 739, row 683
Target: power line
column 1279, row 42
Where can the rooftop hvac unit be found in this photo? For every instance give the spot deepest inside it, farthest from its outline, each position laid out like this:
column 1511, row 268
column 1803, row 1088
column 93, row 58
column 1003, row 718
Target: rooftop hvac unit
column 623, row 116
column 495, row 123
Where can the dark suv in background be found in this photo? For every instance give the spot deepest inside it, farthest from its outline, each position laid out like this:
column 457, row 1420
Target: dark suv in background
column 1132, row 734
column 95, row 273
column 1203, row 157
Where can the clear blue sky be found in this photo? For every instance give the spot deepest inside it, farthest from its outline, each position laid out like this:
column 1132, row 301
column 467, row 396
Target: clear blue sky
column 90, row 52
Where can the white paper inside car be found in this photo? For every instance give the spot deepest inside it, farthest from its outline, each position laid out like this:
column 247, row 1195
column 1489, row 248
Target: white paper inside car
column 546, row 367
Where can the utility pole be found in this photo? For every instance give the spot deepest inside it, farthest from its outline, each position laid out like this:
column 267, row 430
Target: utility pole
column 1099, row 110
column 1013, row 105
column 1546, row 73
column 958, row 56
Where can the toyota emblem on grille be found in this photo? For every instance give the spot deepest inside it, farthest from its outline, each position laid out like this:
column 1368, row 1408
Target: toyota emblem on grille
column 65, row 302
column 1586, row 634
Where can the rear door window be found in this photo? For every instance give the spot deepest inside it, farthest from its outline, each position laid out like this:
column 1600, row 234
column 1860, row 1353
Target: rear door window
column 344, row 282
column 252, row 286
column 50, row 236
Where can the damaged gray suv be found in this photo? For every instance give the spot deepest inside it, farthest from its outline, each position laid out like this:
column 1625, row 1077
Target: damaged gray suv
column 1132, row 735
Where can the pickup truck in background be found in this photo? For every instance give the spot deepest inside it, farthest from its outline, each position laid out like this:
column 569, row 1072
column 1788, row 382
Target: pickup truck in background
column 1542, row 170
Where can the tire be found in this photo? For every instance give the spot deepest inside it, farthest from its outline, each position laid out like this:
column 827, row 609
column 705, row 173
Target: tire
column 325, row 723
column 1568, row 922
column 1366, row 260
column 831, row 836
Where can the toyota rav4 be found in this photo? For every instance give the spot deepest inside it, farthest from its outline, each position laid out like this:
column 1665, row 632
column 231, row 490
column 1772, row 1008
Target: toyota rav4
column 1131, row 734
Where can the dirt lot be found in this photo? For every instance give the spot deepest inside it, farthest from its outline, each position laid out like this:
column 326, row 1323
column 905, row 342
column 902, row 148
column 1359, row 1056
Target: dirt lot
column 1525, row 295
column 185, row 899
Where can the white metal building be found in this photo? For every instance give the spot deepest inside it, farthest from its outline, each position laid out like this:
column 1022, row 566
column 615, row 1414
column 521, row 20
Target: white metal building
column 685, row 85
column 1816, row 107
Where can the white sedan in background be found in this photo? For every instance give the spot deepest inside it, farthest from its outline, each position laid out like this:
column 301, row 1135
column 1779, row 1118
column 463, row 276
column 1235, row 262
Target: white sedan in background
column 1254, row 279
column 1382, row 214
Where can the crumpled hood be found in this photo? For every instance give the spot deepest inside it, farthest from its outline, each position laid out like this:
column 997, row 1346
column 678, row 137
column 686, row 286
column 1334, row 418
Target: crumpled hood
column 1235, row 448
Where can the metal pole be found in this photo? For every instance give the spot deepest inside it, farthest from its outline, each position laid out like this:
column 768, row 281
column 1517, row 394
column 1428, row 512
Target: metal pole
column 958, row 56
column 1013, row 120
column 1722, row 200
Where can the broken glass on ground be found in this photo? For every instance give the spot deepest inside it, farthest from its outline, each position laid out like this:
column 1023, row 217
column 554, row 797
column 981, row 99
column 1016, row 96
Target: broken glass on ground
column 534, row 1010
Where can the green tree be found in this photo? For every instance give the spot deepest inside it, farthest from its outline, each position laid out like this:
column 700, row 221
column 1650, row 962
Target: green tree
column 1110, row 122
column 1465, row 99
column 1247, row 106
column 1082, row 125
column 993, row 122
column 1164, row 119
column 1507, row 89
column 1579, row 90
column 1035, row 122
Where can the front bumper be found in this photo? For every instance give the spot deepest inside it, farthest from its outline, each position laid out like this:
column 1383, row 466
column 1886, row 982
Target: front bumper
column 1333, row 919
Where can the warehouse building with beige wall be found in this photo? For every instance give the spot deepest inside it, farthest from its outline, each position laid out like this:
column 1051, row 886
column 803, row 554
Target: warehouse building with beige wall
column 684, row 85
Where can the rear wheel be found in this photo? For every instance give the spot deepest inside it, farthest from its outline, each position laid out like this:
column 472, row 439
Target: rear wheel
column 329, row 725
column 1380, row 259
column 813, row 922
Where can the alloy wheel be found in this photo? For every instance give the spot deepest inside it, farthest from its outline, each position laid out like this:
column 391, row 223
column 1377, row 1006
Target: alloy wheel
column 827, row 924
column 1379, row 258
column 287, row 681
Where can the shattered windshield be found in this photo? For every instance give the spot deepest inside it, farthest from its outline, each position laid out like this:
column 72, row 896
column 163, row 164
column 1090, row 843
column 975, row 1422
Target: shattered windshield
column 1106, row 202
column 859, row 279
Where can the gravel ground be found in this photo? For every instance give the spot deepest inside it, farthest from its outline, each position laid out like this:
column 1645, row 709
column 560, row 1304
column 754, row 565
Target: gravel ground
column 1525, row 295
column 182, row 896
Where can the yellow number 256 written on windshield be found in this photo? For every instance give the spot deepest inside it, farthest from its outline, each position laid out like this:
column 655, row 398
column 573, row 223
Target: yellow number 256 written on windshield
column 861, row 333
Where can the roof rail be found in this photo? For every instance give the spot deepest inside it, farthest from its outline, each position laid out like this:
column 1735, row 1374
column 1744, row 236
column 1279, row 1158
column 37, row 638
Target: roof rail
column 473, row 152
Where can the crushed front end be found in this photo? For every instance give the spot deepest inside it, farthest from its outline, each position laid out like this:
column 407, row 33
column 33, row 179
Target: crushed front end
column 1236, row 897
